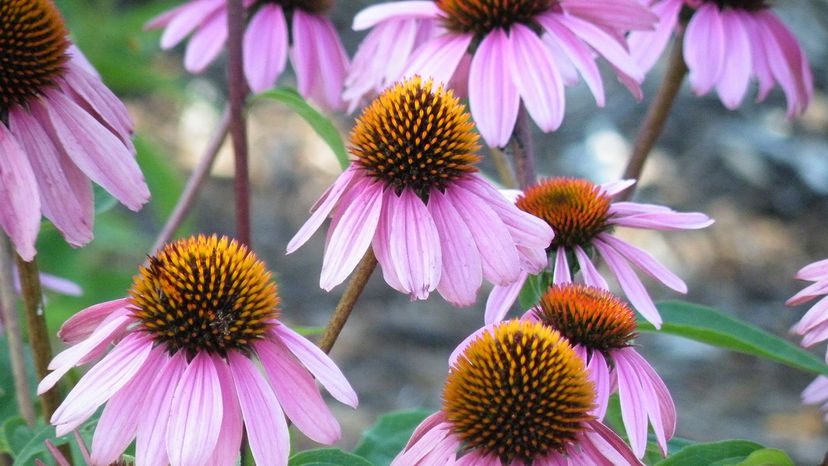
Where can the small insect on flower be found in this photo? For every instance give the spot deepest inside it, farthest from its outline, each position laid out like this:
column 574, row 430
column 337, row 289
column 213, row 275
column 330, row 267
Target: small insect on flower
column 184, row 377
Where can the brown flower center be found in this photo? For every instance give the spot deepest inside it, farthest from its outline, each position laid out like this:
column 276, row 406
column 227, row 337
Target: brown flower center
column 205, row 294
column 32, row 50
column 518, row 394
column 416, row 136
column 576, row 209
column 587, row 316
column 482, row 16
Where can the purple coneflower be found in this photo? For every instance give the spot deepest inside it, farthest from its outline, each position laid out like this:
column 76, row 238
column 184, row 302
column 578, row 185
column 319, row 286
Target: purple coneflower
column 518, row 51
column 728, row 42
column 583, row 216
column 60, row 127
column 311, row 41
column 413, row 194
column 517, row 395
column 184, row 376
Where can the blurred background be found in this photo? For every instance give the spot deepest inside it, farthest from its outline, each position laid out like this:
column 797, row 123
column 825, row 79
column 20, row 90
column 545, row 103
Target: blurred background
column 764, row 179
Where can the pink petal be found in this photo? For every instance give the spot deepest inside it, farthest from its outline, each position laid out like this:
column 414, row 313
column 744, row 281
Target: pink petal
column 665, row 221
column 536, row 77
column 660, row 407
column 462, row 271
column 502, row 298
column 493, row 96
column 613, row 49
column 60, row 285
column 19, row 200
column 195, row 413
column 232, row 425
column 373, row 15
column 588, row 270
column 429, row 441
column 704, row 48
column 599, row 374
column 319, row 364
column 93, row 148
column 64, row 191
column 630, row 283
column 439, row 58
column 461, row 348
column 318, row 58
column 265, row 424
column 561, row 270
column 105, row 379
column 81, row 325
column 578, row 53
column 265, row 47
column 733, row 82
column 646, row 46
column 615, row 14
column 207, row 42
column 787, row 62
column 323, row 208
column 815, row 271
column 614, row 187
column 150, row 443
column 633, row 410
column 646, row 262
column 297, row 393
column 606, row 447
column 381, row 245
column 499, row 257
column 808, row 293
column 816, row 315
column 351, row 236
column 186, row 19
column 817, row 391
column 93, row 95
column 119, row 421
column 414, row 244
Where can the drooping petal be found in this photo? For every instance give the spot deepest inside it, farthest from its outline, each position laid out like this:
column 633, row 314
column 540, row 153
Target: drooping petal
column 646, row 46
column 501, row 299
column 81, row 325
column 536, row 77
column 562, row 273
column 297, row 393
column 150, row 439
column 612, row 48
column 787, row 61
column 414, row 244
column 119, row 421
column 322, row 209
column 264, row 422
column 265, row 47
column 633, row 409
column 318, row 59
column 493, row 96
column 578, row 53
column 605, row 447
column 704, row 48
column 815, row 271
column 630, row 283
column 90, row 93
column 19, row 199
column 439, row 58
column 185, row 21
column 381, row 245
column 376, row 14
column 659, row 403
column 195, row 413
column 232, row 424
column 614, row 14
column 599, row 374
column 646, row 262
column 588, row 270
column 207, row 42
column 319, row 364
column 733, row 82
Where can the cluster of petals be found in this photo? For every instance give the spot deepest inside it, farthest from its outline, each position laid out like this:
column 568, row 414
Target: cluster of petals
column 507, row 67
column 191, row 409
column 311, row 42
column 71, row 135
column 618, row 255
column 725, row 47
column 813, row 327
column 464, row 233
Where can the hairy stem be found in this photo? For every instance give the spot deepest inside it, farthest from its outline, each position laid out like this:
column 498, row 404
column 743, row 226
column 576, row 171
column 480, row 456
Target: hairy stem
column 38, row 333
column 8, row 312
column 238, row 127
column 522, row 150
column 349, row 298
column 657, row 114
column 195, row 183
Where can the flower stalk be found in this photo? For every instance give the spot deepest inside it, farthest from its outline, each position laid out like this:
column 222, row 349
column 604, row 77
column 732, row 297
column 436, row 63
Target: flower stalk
column 238, row 128
column 349, row 298
column 522, row 150
column 657, row 114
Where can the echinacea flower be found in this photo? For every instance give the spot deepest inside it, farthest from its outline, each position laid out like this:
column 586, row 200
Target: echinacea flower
column 413, row 194
column 813, row 327
column 311, row 42
column 517, row 395
column 728, row 42
column 60, row 127
column 520, row 51
column 184, row 377
column 583, row 216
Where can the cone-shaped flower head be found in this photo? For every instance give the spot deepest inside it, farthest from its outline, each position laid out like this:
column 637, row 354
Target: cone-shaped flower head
column 413, row 193
column 726, row 44
column 183, row 377
column 583, row 216
column 517, row 395
column 601, row 328
column 500, row 52
column 311, row 42
column 60, row 127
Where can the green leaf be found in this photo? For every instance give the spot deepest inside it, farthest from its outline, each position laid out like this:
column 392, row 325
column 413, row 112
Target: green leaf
column 724, row 453
column 533, row 289
column 708, row 325
column 768, row 457
column 385, row 439
column 322, row 125
column 30, row 443
column 327, row 457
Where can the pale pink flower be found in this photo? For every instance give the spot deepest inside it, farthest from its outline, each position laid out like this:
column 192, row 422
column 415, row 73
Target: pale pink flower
column 61, row 128
column 516, row 52
column 311, row 41
column 726, row 44
column 517, row 395
column 414, row 196
column 583, row 216
column 601, row 329
column 189, row 371
column 816, row 393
